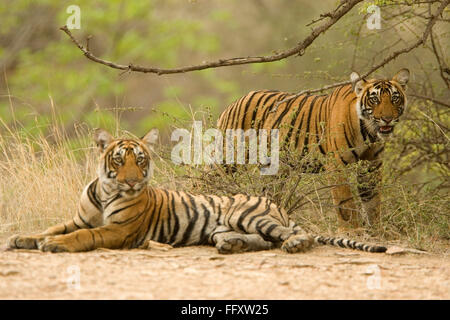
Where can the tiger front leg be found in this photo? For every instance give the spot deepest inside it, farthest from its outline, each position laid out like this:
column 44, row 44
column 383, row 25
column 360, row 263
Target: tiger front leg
column 346, row 209
column 88, row 215
column 32, row 241
column 368, row 187
column 110, row 236
column 348, row 214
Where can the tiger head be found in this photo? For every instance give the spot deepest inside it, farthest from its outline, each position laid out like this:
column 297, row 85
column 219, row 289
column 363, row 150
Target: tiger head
column 380, row 103
column 125, row 164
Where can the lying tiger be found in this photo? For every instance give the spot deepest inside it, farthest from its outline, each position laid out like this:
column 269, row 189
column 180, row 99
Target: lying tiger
column 119, row 210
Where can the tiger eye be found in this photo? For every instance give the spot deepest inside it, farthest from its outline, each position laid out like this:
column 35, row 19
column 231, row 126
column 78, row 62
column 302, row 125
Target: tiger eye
column 117, row 160
column 140, row 159
column 374, row 100
column 395, row 99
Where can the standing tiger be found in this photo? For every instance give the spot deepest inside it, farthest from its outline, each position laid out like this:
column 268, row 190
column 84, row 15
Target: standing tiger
column 119, row 210
column 351, row 124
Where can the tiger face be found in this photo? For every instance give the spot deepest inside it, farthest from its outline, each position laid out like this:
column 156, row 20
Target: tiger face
column 380, row 102
column 125, row 164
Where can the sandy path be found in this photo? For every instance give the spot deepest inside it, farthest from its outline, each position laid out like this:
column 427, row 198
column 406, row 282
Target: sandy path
column 201, row 273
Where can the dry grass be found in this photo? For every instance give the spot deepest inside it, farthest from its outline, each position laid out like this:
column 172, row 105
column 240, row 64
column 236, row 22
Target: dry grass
column 41, row 178
column 40, row 182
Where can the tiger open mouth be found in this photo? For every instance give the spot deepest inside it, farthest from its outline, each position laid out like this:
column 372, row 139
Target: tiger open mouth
column 386, row 129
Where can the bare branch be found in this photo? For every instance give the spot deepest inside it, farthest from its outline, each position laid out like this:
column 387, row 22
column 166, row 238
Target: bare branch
column 441, row 62
column 343, row 8
column 417, row 96
column 388, row 59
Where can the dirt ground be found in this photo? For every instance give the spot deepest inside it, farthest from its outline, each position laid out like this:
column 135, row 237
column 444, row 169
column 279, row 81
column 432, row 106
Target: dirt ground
column 202, row 273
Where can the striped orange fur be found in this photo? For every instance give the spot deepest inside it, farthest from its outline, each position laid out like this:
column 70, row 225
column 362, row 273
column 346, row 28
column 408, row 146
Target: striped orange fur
column 351, row 123
column 119, row 210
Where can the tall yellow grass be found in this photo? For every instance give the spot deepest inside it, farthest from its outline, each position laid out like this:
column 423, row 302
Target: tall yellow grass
column 42, row 176
column 40, row 182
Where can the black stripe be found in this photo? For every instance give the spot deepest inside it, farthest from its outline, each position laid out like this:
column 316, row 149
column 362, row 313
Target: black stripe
column 93, row 238
column 121, row 209
column 82, row 220
column 299, row 128
column 267, row 96
column 211, row 202
column 176, row 225
column 154, row 198
column 347, row 93
column 162, row 234
column 311, row 108
column 156, row 220
column 247, row 106
column 233, row 111
column 245, row 214
column 101, row 237
column 228, row 113
column 92, row 197
column 170, row 209
column 337, row 93
column 118, row 196
column 295, row 117
column 203, row 235
column 127, row 238
column 350, row 145
column 317, row 121
column 283, row 113
column 362, row 129
column 270, row 229
column 261, row 224
column 269, row 107
column 265, row 212
column 96, row 195
column 134, row 218
column 192, row 220
column 237, row 113
column 76, row 225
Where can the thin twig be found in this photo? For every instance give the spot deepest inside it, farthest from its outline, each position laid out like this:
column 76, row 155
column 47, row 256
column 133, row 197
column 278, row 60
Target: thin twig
column 388, row 59
column 442, row 103
column 343, row 8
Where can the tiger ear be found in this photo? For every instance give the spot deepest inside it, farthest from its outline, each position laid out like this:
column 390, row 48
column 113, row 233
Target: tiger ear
column 102, row 138
column 151, row 138
column 402, row 77
column 357, row 83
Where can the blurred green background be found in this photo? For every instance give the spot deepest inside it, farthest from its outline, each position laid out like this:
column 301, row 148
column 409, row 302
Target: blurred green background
column 39, row 63
column 45, row 77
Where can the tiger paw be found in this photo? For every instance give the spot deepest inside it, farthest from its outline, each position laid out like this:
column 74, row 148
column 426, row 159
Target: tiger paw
column 297, row 243
column 232, row 245
column 21, row 242
column 54, row 245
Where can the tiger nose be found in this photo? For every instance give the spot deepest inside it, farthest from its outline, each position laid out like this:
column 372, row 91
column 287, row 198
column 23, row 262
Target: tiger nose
column 131, row 182
column 387, row 119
